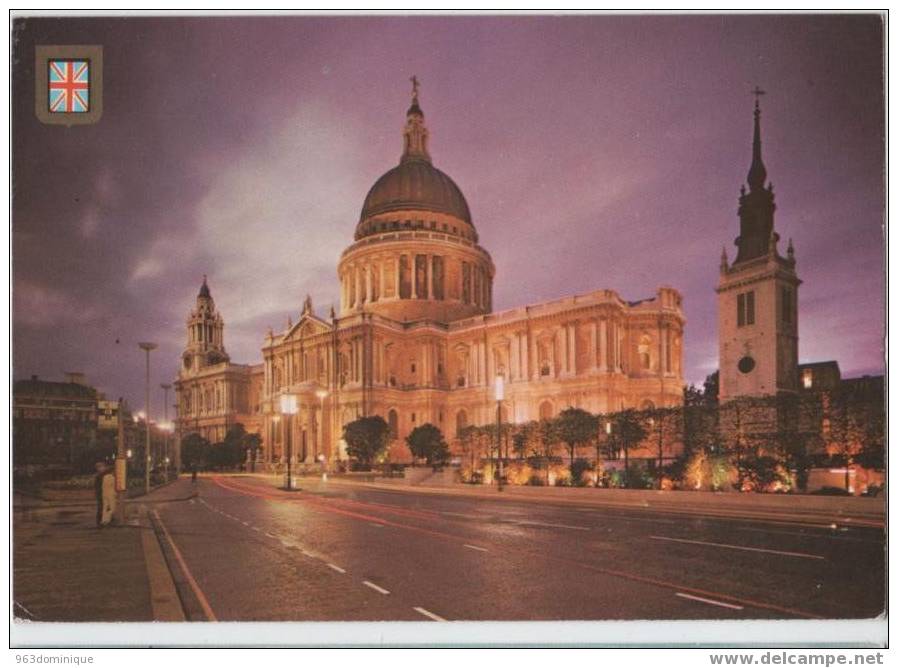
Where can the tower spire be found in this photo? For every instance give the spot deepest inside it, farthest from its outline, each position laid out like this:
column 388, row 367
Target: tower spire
column 204, row 289
column 415, row 133
column 757, row 173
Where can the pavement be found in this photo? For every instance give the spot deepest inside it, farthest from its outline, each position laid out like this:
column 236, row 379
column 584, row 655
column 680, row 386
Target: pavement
column 238, row 548
column 65, row 569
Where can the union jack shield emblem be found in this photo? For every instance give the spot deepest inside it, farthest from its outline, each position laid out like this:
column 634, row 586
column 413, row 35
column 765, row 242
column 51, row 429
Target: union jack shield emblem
column 69, row 86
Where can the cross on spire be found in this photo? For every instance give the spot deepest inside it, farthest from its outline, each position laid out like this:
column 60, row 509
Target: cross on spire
column 415, row 85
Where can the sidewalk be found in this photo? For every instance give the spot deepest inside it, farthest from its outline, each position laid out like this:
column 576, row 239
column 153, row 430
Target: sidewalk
column 67, row 570
column 793, row 508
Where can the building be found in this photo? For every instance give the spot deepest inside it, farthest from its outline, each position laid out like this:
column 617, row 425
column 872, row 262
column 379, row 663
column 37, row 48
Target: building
column 758, row 296
column 212, row 393
column 53, row 422
column 769, row 403
column 416, row 339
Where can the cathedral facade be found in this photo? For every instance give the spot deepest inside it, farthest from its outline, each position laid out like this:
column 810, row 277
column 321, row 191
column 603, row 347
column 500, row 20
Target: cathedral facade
column 416, row 340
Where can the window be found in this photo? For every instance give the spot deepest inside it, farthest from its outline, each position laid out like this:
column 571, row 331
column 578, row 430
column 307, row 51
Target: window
column 787, row 305
column 745, row 308
column 413, row 367
column 413, row 418
column 807, row 379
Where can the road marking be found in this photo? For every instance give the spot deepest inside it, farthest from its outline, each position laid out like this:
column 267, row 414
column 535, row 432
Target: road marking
column 475, row 547
column 375, row 524
column 246, row 524
column 307, row 553
column 375, row 587
column 256, row 529
column 803, row 555
column 270, row 535
column 336, row 568
column 428, row 613
column 710, row 601
column 200, row 596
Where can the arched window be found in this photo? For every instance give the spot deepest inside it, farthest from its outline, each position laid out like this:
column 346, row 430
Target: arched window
column 546, row 410
column 393, row 421
column 461, row 421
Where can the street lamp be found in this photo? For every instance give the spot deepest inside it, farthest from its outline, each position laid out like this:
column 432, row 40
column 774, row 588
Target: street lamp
column 166, row 426
column 500, row 396
column 289, row 407
column 147, row 346
column 319, row 431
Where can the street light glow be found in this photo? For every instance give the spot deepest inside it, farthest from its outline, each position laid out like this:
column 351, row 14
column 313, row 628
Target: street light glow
column 321, row 394
column 289, row 404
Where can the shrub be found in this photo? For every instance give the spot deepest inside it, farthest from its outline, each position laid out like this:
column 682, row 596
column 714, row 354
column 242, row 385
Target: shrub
column 578, row 468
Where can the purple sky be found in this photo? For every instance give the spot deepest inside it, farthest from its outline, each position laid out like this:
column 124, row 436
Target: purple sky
column 594, row 152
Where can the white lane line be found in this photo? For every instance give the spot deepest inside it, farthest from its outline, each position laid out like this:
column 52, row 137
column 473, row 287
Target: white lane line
column 710, row 601
column 375, row 524
column 428, row 613
column 336, row 568
column 246, row 524
column 474, row 547
column 256, row 529
column 375, row 587
column 802, row 555
column 307, row 553
column 270, row 535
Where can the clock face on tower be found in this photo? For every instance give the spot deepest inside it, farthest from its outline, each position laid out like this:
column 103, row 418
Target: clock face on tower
column 746, row 364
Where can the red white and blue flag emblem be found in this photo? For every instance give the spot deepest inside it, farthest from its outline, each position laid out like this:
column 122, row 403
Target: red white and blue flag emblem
column 69, row 83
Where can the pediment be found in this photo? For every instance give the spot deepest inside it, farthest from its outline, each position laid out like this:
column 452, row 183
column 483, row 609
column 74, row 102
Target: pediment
column 307, row 326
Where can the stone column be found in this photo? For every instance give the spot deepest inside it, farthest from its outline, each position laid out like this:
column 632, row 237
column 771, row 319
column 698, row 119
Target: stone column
column 367, row 272
column 382, row 266
column 593, row 344
column 603, row 345
column 563, row 347
column 572, row 348
column 514, row 358
column 397, row 277
column 429, row 266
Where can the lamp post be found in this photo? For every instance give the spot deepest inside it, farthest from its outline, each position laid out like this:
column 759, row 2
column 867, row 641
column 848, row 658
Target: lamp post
column 121, row 463
column 166, row 426
column 319, row 432
column 147, row 346
column 608, row 435
column 289, row 407
column 500, row 396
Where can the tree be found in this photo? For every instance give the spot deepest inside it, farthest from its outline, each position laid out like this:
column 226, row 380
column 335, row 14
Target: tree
column 664, row 421
column 427, row 441
column 252, row 443
column 546, row 441
column 194, row 451
column 575, row 427
column 366, row 438
column 471, row 439
column 627, row 432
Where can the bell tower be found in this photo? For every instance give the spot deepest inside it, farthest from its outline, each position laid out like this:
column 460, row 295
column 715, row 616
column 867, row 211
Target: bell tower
column 205, row 335
column 757, row 298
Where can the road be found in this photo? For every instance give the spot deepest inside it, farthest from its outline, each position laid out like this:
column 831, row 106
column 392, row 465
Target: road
column 243, row 550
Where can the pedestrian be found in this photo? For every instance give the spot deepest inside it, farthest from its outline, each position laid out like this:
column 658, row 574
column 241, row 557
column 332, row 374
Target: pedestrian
column 109, row 499
column 104, row 491
column 193, row 473
column 98, row 491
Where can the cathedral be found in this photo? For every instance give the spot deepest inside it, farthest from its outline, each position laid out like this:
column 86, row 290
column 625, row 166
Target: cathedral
column 416, row 339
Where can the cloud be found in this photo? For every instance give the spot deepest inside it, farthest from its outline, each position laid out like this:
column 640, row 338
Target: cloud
column 274, row 221
column 38, row 306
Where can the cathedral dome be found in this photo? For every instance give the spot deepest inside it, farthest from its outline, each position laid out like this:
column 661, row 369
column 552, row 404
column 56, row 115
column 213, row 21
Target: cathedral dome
column 415, row 185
